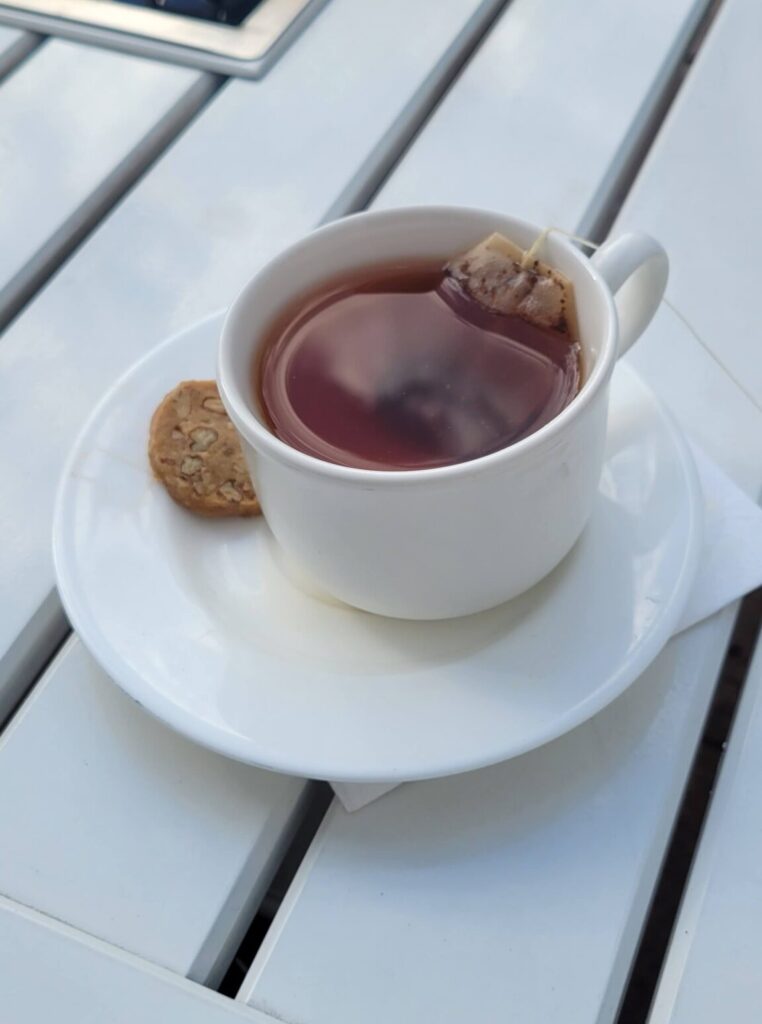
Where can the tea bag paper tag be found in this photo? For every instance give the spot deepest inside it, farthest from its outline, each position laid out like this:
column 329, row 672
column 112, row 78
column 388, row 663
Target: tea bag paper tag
column 506, row 279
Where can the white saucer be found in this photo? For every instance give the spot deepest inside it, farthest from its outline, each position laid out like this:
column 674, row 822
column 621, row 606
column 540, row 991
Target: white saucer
column 197, row 622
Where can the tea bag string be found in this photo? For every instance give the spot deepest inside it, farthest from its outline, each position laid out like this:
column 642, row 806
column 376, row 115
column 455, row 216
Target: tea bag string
column 531, row 254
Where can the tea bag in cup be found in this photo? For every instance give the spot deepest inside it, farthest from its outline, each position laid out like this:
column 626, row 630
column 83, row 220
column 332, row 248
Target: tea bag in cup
column 439, row 391
column 506, row 279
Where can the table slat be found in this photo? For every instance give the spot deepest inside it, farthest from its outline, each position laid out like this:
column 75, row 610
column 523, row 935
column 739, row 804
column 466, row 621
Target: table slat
column 15, row 45
column 545, row 119
column 74, row 122
column 50, row 974
column 698, row 192
column 712, row 969
column 115, row 824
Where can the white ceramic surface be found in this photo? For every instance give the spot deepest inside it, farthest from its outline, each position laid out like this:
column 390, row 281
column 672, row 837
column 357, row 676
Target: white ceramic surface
column 198, row 623
column 450, row 541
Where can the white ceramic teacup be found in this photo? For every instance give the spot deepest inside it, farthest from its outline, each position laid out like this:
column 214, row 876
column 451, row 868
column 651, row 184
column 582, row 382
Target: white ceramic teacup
column 436, row 543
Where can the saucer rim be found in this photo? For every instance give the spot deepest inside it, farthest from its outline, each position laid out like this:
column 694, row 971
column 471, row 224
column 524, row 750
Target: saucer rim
column 230, row 744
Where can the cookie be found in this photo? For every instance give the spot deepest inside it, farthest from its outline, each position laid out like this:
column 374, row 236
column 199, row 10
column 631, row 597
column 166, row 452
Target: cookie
column 195, row 452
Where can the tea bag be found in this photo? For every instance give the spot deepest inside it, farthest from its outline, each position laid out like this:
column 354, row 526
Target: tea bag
column 505, row 279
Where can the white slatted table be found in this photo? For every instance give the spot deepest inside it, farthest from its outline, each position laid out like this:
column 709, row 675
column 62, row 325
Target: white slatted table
column 52, row 973
column 711, row 971
column 114, row 824
column 66, row 154
column 523, row 886
column 699, row 187
column 14, row 47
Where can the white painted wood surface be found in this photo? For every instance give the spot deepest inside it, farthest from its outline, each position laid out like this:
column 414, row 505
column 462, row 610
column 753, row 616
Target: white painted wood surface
column 51, row 973
column 521, row 888
column 9, row 37
column 73, row 122
column 261, row 165
column 14, row 46
column 699, row 192
column 116, row 825
column 692, row 187
column 712, row 969
column 546, row 117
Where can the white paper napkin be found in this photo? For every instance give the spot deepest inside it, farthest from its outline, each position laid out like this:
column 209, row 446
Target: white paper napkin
column 730, row 566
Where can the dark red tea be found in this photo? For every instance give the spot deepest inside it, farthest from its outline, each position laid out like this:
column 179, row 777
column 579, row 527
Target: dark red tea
column 397, row 367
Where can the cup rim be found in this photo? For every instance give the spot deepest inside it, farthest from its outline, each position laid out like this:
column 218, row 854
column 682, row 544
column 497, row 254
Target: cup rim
column 262, row 439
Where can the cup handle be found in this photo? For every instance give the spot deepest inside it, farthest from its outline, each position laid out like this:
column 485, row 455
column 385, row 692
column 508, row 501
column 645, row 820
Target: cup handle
column 635, row 267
